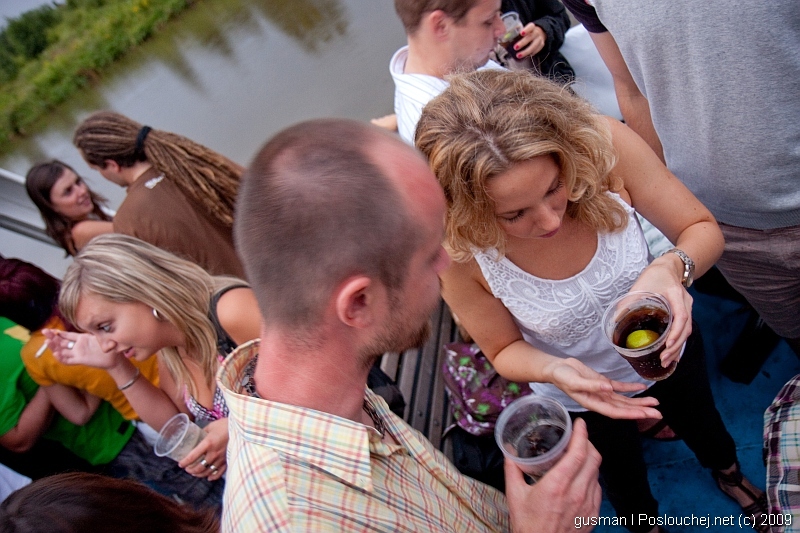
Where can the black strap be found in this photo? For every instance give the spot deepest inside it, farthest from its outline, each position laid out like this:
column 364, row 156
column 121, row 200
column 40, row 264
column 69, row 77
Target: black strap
column 225, row 344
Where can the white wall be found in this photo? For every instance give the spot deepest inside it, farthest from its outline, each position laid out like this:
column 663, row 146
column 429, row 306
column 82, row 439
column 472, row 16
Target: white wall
column 14, row 203
column 49, row 258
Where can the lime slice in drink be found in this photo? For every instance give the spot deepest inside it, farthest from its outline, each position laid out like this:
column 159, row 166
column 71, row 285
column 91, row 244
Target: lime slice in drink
column 640, row 338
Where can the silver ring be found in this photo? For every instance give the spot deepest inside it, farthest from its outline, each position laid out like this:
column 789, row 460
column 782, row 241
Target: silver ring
column 204, row 463
column 213, row 468
column 70, row 345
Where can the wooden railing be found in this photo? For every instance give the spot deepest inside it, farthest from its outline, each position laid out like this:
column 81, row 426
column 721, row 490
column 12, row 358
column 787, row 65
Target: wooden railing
column 418, row 374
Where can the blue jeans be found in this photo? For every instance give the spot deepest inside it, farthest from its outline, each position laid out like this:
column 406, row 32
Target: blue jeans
column 138, row 461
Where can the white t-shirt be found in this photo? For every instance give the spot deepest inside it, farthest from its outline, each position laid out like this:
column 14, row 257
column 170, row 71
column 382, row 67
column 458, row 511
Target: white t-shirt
column 413, row 91
column 10, row 481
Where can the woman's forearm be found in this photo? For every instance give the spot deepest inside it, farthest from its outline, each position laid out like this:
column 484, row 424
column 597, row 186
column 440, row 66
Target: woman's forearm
column 151, row 404
column 704, row 243
column 519, row 361
column 75, row 405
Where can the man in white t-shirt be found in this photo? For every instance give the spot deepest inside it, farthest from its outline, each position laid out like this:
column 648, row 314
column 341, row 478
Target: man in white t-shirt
column 458, row 35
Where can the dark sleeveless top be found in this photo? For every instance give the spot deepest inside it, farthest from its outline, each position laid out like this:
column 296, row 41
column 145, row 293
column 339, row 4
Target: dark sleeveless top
column 225, row 344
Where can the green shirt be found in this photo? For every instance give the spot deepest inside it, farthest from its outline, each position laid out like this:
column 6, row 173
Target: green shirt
column 99, row 441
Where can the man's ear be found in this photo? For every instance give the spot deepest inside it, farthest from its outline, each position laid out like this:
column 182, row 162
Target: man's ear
column 356, row 301
column 438, row 23
column 111, row 165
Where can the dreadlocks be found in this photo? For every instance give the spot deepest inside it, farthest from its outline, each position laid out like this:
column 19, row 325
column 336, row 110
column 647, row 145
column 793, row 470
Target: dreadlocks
column 208, row 178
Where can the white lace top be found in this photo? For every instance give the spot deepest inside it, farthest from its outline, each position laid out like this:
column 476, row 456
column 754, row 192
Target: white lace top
column 563, row 317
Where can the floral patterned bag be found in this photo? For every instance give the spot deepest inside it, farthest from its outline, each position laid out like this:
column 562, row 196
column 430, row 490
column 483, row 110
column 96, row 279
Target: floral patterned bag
column 477, row 392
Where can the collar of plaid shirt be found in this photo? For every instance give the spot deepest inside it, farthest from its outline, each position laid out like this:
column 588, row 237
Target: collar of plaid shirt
column 408, row 486
column 343, row 446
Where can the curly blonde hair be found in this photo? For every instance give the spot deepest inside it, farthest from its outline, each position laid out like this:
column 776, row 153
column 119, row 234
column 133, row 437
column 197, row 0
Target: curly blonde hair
column 486, row 122
column 124, row 269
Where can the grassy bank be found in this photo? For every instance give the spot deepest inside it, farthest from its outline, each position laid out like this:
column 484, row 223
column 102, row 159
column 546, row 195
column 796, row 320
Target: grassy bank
column 48, row 56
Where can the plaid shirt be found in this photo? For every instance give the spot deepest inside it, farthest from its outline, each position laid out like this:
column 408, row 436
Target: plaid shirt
column 297, row 469
column 782, row 454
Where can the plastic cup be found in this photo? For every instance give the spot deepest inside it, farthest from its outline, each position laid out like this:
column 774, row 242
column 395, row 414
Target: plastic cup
column 505, row 51
column 640, row 310
column 533, row 431
column 513, row 26
column 178, row 437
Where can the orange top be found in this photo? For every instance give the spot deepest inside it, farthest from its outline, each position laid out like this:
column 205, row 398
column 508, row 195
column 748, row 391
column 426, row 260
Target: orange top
column 47, row 370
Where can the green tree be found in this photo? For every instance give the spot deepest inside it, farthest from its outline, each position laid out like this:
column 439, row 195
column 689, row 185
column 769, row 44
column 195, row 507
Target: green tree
column 25, row 38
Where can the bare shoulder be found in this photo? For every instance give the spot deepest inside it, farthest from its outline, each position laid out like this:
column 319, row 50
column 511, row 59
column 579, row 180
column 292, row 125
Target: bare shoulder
column 464, row 273
column 86, row 230
column 238, row 314
column 621, row 134
column 464, row 282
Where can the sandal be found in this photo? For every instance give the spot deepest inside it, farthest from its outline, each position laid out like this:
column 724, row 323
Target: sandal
column 755, row 509
column 653, row 431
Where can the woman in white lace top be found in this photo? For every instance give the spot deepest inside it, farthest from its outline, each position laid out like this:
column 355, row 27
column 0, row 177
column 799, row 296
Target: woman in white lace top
column 542, row 230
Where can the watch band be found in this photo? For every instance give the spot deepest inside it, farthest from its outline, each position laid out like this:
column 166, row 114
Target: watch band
column 688, row 266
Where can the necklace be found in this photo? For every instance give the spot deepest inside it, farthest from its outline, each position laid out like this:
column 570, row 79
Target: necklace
column 380, row 427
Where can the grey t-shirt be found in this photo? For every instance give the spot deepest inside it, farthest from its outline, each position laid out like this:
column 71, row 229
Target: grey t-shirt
column 723, row 83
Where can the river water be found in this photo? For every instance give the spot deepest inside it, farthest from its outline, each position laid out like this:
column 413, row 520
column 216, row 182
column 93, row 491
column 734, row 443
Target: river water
column 229, row 74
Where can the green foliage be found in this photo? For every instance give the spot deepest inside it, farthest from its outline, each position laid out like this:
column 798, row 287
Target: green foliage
column 8, row 64
column 28, row 34
column 87, row 36
column 24, row 38
column 85, row 4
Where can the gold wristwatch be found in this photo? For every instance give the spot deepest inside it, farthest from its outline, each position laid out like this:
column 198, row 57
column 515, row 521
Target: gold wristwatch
column 688, row 266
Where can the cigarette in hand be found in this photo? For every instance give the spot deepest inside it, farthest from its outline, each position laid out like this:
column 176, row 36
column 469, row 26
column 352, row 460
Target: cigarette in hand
column 41, row 350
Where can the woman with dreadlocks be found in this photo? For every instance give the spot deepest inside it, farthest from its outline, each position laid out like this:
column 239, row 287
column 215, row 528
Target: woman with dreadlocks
column 181, row 194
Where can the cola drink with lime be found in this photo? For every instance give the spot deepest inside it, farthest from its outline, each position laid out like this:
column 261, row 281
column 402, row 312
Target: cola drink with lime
column 645, row 360
column 505, row 51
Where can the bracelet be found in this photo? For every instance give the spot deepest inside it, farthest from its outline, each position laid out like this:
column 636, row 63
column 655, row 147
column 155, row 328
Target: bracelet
column 133, row 380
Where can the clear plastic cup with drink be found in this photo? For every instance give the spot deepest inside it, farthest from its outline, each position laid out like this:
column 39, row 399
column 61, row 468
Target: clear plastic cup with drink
column 637, row 325
column 533, row 431
column 510, row 37
column 178, row 437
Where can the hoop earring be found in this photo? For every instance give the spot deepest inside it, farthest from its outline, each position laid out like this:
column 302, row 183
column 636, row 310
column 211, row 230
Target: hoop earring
column 155, row 314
